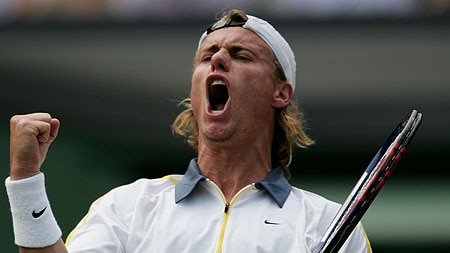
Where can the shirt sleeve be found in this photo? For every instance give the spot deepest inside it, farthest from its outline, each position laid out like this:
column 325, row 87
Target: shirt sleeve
column 105, row 227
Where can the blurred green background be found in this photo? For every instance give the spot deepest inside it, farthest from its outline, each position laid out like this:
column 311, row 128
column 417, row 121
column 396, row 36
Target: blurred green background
column 113, row 76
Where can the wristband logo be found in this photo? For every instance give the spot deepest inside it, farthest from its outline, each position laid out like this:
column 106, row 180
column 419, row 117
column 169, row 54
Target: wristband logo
column 38, row 214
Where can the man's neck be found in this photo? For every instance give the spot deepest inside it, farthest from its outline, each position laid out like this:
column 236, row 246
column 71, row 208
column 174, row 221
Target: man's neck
column 233, row 169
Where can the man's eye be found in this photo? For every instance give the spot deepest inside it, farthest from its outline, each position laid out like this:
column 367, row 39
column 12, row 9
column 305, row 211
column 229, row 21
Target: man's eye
column 206, row 59
column 242, row 58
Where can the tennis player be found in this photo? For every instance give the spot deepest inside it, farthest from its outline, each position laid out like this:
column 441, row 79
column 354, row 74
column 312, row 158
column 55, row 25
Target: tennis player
column 234, row 197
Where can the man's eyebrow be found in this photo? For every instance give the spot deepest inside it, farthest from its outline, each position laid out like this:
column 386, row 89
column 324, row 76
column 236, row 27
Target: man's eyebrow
column 237, row 48
column 211, row 48
column 230, row 48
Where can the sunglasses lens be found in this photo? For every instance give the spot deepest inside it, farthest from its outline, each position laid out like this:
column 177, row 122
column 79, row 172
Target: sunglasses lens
column 224, row 23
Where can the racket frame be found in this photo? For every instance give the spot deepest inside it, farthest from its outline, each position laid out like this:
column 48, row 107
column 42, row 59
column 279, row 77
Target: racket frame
column 369, row 184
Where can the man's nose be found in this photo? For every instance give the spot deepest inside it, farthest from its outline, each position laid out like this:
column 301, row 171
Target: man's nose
column 220, row 60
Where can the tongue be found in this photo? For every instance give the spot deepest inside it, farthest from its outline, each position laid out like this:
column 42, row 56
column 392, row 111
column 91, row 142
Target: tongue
column 218, row 107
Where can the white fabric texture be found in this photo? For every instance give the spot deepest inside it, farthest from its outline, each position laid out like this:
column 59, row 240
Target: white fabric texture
column 143, row 217
column 33, row 221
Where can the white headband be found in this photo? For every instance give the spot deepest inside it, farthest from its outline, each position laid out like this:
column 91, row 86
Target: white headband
column 272, row 37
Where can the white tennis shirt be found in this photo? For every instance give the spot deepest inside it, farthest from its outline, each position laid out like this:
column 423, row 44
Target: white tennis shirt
column 188, row 213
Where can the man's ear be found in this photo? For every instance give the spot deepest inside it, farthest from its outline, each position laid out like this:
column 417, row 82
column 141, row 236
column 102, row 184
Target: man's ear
column 282, row 95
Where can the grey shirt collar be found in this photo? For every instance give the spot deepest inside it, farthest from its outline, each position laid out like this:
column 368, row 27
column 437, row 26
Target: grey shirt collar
column 275, row 184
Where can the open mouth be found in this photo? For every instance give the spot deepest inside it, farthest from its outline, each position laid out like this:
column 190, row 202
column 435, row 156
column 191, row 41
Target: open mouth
column 218, row 96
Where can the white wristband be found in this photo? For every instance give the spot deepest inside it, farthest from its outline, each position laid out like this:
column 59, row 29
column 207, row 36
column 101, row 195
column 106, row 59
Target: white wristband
column 33, row 221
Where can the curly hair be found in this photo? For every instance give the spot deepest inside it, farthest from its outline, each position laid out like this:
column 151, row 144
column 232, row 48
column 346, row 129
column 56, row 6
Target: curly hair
column 289, row 123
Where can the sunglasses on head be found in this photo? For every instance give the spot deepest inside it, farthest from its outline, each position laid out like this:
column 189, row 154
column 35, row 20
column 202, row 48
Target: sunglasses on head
column 225, row 23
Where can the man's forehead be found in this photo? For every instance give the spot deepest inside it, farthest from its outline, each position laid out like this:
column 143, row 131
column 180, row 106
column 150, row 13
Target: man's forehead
column 233, row 36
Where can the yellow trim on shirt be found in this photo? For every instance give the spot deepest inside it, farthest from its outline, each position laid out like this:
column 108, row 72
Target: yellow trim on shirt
column 226, row 214
column 82, row 223
column 171, row 179
column 369, row 248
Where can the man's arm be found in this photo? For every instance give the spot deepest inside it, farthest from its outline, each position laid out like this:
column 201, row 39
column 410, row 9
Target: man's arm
column 30, row 139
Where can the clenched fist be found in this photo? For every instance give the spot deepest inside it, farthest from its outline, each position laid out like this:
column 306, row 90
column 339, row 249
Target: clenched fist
column 31, row 136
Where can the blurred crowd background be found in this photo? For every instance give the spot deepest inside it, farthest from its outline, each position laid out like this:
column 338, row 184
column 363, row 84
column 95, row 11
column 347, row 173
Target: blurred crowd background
column 113, row 72
column 175, row 10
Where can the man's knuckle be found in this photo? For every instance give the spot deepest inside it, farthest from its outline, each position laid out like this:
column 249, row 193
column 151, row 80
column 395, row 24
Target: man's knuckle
column 15, row 120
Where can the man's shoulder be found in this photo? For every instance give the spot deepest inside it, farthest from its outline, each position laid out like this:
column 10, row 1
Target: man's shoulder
column 149, row 185
column 319, row 211
column 127, row 194
column 314, row 200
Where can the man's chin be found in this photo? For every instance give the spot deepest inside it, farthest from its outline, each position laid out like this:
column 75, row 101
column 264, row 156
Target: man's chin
column 219, row 137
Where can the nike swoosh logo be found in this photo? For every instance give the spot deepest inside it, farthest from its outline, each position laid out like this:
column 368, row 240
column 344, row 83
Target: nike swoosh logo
column 271, row 223
column 38, row 214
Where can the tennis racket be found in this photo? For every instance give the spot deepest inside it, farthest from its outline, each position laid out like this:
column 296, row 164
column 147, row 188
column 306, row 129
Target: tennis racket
column 369, row 184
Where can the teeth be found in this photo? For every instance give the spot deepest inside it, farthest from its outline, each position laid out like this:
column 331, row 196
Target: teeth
column 217, row 82
column 215, row 112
